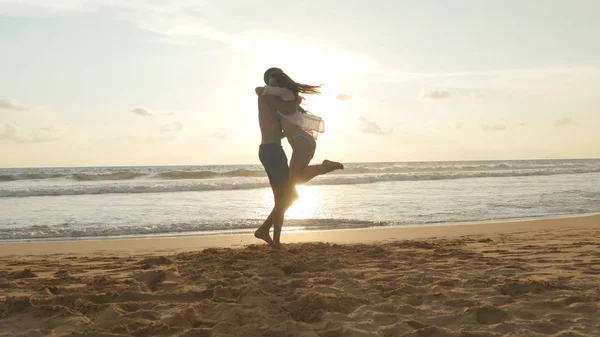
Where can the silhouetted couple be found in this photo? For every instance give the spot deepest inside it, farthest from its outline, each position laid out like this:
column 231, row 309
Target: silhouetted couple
column 280, row 115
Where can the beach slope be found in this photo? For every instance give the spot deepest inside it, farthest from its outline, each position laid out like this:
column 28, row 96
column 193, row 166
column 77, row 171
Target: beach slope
column 532, row 278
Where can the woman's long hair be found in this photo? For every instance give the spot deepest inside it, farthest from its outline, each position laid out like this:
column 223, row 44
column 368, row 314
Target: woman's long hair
column 285, row 81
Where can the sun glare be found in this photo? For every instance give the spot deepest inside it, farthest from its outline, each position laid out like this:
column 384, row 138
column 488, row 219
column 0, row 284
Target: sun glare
column 306, row 207
column 326, row 107
column 308, row 61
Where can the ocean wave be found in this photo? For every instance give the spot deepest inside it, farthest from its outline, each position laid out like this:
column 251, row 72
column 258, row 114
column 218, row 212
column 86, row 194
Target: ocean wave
column 67, row 231
column 211, row 172
column 124, row 189
column 107, row 176
column 226, row 184
column 402, row 168
column 179, row 175
column 30, row 176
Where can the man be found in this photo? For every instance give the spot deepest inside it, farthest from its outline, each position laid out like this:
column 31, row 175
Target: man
column 274, row 160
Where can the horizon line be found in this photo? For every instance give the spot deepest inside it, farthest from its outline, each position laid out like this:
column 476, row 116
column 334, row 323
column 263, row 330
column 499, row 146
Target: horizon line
column 352, row 162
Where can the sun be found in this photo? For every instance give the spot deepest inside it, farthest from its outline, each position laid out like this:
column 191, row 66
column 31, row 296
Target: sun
column 306, row 207
column 308, row 60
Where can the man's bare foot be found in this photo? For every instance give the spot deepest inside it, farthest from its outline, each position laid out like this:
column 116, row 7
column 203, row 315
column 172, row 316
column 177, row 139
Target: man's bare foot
column 279, row 246
column 264, row 235
column 333, row 165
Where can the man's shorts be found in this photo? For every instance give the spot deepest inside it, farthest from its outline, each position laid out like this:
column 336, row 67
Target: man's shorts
column 275, row 162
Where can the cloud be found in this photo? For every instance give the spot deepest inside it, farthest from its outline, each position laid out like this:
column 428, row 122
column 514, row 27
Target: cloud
column 494, row 127
column 188, row 21
column 397, row 76
column 171, row 127
column 10, row 104
column 222, row 135
column 477, row 95
column 36, row 8
column 565, row 121
column 142, row 112
column 370, row 127
column 519, row 123
column 168, row 131
column 12, row 132
column 502, row 125
column 434, row 94
column 343, row 97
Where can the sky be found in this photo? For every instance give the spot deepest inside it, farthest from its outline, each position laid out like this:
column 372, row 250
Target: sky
column 127, row 83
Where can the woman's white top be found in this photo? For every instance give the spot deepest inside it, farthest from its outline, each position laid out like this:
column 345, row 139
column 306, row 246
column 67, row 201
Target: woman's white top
column 308, row 122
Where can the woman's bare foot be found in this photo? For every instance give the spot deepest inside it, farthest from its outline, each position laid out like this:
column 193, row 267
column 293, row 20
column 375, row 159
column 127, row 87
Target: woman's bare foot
column 264, row 235
column 332, row 165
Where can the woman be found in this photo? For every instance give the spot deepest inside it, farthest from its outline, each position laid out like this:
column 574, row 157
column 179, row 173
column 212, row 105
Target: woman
column 300, row 128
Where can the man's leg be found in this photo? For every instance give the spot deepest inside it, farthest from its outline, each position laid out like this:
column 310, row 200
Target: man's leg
column 263, row 231
column 277, row 226
column 285, row 197
column 268, row 159
column 275, row 162
column 283, row 200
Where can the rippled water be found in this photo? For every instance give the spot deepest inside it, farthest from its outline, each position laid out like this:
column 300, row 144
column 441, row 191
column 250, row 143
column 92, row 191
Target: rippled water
column 63, row 203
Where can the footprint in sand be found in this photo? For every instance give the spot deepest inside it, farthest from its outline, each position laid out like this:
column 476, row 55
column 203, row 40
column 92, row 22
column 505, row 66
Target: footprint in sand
column 25, row 273
column 153, row 279
column 156, row 261
column 489, row 315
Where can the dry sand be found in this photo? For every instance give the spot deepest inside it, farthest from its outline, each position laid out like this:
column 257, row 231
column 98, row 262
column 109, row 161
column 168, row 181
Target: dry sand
column 535, row 278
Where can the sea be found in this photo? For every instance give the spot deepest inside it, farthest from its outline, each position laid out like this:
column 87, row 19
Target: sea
column 122, row 202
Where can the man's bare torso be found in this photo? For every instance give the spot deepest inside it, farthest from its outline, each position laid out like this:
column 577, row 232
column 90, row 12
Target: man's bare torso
column 270, row 127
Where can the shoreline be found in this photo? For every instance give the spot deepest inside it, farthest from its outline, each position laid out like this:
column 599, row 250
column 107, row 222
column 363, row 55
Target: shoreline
column 246, row 231
column 176, row 244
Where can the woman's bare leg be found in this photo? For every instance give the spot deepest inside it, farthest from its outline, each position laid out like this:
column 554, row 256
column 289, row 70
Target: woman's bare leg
column 301, row 171
column 312, row 171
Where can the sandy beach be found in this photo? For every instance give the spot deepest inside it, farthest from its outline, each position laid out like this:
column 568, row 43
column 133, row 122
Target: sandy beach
column 522, row 278
column 438, row 162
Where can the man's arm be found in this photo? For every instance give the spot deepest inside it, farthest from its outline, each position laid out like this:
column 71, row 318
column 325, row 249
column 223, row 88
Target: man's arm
column 285, row 93
column 278, row 104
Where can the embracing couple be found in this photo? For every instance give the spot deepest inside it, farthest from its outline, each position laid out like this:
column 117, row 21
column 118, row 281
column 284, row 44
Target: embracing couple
column 280, row 115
